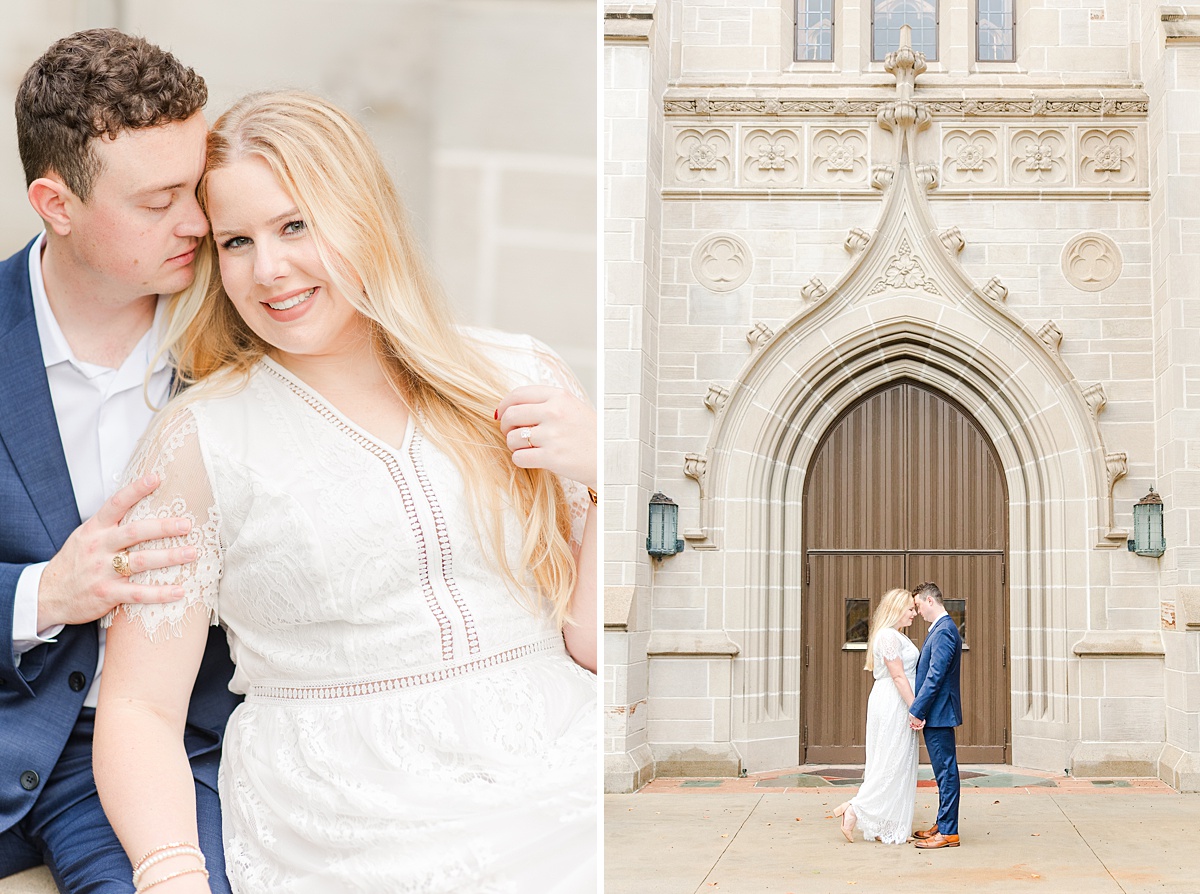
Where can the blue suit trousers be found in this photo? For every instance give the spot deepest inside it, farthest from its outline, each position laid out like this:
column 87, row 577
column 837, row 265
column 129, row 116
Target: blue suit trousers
column 939, row 742
column 67, row 829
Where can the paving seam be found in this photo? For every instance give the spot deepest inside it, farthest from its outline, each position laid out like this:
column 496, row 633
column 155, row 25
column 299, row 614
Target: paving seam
column 733, row 838
column 1088, row 844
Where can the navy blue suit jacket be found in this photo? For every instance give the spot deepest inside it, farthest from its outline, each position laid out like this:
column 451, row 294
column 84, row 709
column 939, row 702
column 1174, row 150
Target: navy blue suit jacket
column 939, row 701
column 40, row 700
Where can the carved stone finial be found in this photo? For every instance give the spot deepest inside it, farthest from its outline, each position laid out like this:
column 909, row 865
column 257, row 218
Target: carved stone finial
column 759, row 335
column 882, row 176
column 1095, row 397
column 952, row 239
column 814, row 290
column 904, row 117
column 716, row 397
column 995, row 290
column 927, row 175
column 694, row 465
column 1051, row 335
column 857, row 240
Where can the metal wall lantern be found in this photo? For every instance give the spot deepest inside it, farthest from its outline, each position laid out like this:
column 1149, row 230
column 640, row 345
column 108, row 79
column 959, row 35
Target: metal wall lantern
column 1148, row 539
column 663, row 539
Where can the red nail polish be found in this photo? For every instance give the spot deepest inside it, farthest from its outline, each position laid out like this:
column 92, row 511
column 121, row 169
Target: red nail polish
column 497, row 415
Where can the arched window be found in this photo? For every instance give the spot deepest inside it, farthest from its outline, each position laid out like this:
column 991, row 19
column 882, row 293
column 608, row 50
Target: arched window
column 994, row 25
column 887, row 16
column 814, row 30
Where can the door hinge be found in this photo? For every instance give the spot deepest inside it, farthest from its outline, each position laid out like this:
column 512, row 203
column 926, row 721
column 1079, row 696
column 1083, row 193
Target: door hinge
column 806, row 733
column 1003, row 572
column 1004, row 655
column 807, row 573
column 807, row 652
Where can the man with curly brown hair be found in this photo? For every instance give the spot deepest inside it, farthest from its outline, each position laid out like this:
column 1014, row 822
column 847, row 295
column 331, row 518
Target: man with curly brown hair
column 112, row 139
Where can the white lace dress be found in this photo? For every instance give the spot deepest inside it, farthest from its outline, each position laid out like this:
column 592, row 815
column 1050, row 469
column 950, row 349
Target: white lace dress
column 408, row 724
column 885, row 803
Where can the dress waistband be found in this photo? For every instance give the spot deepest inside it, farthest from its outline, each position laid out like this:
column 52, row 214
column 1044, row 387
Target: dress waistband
column 329, row 691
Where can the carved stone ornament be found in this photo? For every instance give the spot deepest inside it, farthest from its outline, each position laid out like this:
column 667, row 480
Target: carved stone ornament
column 716, row 397
column 1039, row 157
column 1051, row 335
column 814, row 290
column 1091, row 261
column 771, row 156
column 882, row 176
column 722, row 262
column 970, row 157
column 1095, row 397
column 1117, row 467
column 952, row 239
column 995, row 290
column 759, row 335
column 839, row 156
column 957, row 109
column 927, row 175
column 694, row 465
column 904, row 271
column 703, row 156
column 1107, row 156
column 857, row 240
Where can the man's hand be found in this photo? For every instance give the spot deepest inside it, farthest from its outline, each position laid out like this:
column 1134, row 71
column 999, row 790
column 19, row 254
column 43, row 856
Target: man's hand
column 80, row 584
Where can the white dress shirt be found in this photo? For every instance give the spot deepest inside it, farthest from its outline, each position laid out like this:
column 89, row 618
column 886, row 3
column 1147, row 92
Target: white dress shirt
column 101, row 414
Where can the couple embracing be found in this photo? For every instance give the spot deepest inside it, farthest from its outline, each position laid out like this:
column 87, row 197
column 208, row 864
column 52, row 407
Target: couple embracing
column 336, row 631
column 913, row 690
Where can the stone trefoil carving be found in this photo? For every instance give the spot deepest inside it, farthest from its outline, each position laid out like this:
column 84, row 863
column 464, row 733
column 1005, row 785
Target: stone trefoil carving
column 716, row 397
column 1091, row 261
column 722, row 262
column 904, row 271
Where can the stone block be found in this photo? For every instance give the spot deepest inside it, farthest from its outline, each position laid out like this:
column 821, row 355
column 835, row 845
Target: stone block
column 1133, row 719
column 1091, row 759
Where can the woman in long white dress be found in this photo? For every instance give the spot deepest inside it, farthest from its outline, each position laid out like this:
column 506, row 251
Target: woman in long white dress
column 883, row 808
column 392, row 520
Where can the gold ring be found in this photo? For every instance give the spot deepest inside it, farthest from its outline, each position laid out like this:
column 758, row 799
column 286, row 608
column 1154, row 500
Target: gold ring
column 526, row 436
column 120, row 564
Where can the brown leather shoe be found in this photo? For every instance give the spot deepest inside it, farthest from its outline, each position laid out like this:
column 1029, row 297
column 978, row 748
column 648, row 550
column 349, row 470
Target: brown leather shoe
column 922, row 834
column 938, row 840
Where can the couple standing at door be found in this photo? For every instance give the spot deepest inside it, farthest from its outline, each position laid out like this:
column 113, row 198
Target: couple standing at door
column 913, row 691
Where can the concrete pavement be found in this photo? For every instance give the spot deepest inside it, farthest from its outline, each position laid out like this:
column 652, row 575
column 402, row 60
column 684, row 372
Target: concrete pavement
column 1119, row 837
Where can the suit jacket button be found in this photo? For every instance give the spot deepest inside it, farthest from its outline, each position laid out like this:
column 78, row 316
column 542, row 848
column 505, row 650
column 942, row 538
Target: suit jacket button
column 30, row 780
column 76, row 681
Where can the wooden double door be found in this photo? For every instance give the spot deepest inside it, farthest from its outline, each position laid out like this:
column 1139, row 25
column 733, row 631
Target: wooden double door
column 905, row 487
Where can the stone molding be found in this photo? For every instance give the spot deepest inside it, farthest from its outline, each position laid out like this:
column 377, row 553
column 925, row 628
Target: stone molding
column 692, row 643
column 1029, row 107
column 1120, row 644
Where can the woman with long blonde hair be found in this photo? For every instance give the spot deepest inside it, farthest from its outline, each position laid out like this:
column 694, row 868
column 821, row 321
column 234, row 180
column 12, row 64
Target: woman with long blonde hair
column 884, row 805
column 393, row 519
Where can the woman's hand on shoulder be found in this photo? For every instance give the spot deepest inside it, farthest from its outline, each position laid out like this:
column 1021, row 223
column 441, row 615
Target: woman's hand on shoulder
column 549, row 428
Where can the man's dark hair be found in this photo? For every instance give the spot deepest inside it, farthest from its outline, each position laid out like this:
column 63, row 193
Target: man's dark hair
column 94, row 84
column 928, row 590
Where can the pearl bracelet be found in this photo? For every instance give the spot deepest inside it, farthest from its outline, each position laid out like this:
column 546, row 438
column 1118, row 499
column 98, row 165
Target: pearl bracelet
column 167, row 878
column 163, row 853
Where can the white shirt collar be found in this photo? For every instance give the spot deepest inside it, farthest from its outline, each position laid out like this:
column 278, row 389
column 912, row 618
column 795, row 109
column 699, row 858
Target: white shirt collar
column 55, row 348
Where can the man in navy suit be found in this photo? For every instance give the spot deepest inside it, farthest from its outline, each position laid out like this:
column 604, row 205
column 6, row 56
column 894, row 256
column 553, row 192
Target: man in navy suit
column 937, row 710
column 112, row 139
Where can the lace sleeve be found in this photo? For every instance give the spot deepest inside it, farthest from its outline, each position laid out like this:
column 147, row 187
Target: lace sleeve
column 553, row 371
column 185, row 492
column 888, row 645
